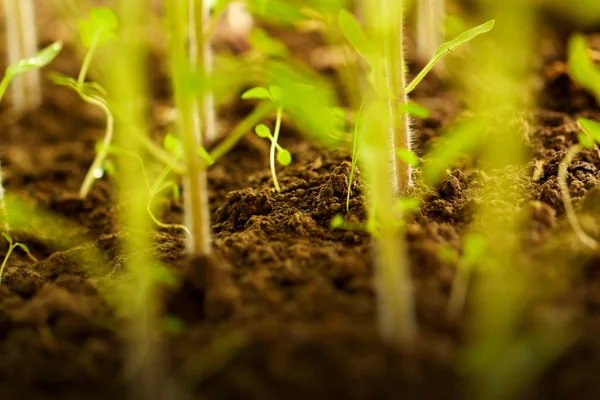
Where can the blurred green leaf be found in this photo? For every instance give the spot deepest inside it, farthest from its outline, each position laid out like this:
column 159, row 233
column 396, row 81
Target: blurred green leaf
column 276, row 93
column 590, row 127
column 355, row 35
column 582, row 67
column 172, row 144
column 100, row 27
column 336, row 222
column 266, row 44
column 40, row 60
column 257, row 93
column 276, row 11
column 8, row 238
column 461, row 140
column 585, row 141
column 24, row 248
column 408, row 157
column 414, row 109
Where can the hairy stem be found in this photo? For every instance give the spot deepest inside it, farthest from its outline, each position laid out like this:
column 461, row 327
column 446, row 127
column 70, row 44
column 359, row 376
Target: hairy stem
column 568, row 203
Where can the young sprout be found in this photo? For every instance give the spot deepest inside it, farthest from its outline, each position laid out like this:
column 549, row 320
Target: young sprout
column 97, row 30
column 582, row 67
column 22, row 43
column 190, row 65
column 431, row 16
column 284, row 157
column 39, row 60
column 386, row 155
column 587, row 140
column 12, row 246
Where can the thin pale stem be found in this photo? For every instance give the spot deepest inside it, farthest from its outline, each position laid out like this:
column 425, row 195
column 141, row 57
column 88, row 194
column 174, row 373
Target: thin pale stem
column 87, row 61
column 22, row 43
column 5, row 261
column 568, row 203
column 274, row 148
column 90, row 177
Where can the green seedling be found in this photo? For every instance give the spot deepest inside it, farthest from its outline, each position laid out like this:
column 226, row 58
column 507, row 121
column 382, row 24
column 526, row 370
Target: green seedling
column 21, row 33
column 159, row 184
column 12, row 246
column 40, row 60
column 582, row 67
column 97, row 30
column 273, row 94
column 587, row 140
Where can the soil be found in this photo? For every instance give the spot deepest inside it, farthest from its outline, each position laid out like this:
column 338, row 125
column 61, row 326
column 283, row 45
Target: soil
column 285, row 308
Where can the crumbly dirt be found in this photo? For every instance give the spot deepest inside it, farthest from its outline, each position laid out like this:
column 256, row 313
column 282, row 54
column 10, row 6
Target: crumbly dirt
column 285, row 308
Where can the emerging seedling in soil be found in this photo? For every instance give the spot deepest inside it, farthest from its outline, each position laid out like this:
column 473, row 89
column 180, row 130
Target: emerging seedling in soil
column 39, row 60
column 21, row 34
column 284, row 157
column 97, row 30
column 387, row 158
column 582, row 67
column 587, row 140
column 12, row 246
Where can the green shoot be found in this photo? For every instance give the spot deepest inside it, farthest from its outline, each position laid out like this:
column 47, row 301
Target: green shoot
column 274, row 94
column 39, row 60
column 448, row 47
column 94, row 94
column 587, row 140
column 338, row 222
column 22, row 44
column 354, row 154
column 190, row 68
column 97, row 30
column 12, row 246
column 583, row 69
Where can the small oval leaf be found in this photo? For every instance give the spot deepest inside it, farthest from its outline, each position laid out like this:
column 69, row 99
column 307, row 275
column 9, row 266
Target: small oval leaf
column 284, row 157
column 257, row 93
column 263, row 131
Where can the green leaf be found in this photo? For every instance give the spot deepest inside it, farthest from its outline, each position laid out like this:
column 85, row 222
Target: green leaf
column 172, row 144
column 355, row 34
column 24, row 248
column 474, row 248
column 585, row 141
column 276, row 11
column 266, row 44
column 100, row 27
column 582, row 67
column 109, row 167
column 8, row 238
column 263, row 131
column 284, row 157
column 173, row 325
column 257, row 93
column 337, row 222
column 202, row 152
column 276, row 93
column 408, row 157
column 414, row 109
column 408, row 204
column 461, row 140
column 590, row 127
column 176, row 191
column 40, row 60
column 447, row 47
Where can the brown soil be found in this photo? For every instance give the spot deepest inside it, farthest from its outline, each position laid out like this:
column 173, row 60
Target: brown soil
column 285, row 309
